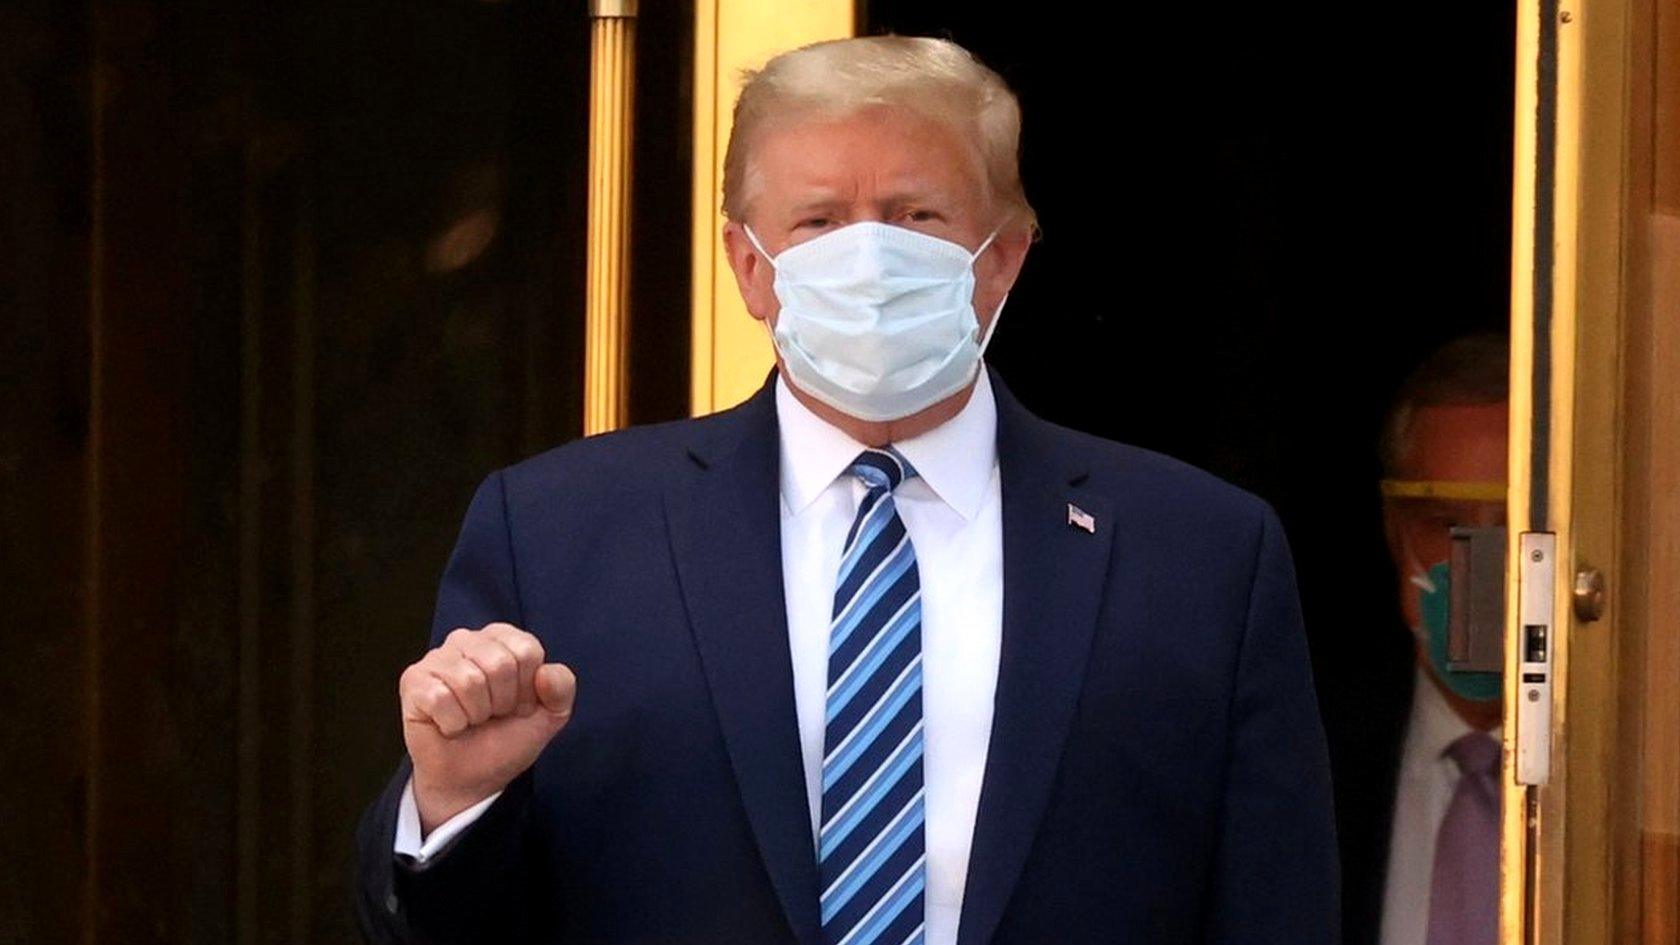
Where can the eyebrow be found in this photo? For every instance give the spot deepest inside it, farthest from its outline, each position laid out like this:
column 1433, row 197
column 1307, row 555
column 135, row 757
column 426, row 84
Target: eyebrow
column 897, row 198
column 812, row 206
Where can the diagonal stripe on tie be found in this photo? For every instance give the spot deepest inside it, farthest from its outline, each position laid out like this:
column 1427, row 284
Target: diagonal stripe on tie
column 894, row 633
column 904, row 893
column 895, row 563
column 882, row 781
column 877, row 545
column 872, row 847
column 899, row 706
column 899, row 830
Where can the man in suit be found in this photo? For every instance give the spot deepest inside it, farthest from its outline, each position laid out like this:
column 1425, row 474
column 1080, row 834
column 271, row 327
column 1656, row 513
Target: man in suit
column 1419, row 806
column 877, row 656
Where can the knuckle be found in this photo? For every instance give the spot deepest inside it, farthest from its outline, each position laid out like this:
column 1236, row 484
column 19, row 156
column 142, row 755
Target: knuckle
column 524, row 645
column 499, row 663
column 446, row 674
column 529, row 648
column 443, row 697
column 454, row 673
column 429, row 700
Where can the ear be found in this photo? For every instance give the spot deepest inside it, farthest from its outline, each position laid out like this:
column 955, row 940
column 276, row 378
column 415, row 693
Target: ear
column 1407, row 595
column 998, row 267
column 1391, row 535
column 754, row 275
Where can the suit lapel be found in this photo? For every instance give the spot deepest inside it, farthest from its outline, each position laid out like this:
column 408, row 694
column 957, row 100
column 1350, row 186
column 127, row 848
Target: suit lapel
column 726, row 538
column 1053, row 576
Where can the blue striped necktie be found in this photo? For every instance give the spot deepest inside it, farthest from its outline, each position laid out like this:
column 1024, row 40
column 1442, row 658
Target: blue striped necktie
column 872, row 852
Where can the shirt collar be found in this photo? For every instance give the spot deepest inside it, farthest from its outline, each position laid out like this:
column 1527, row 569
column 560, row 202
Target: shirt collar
column 955, row 459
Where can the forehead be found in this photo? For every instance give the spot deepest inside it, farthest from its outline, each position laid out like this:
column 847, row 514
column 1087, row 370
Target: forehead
column 865, row 154
column 1457, row 442
column 1457, row 510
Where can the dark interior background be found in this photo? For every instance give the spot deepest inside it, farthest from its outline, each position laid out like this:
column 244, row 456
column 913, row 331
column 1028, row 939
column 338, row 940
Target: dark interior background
column 280, row 281
column 1256, row 221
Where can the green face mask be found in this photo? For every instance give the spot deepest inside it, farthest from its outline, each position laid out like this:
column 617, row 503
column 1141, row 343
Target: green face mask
column 1435, row 600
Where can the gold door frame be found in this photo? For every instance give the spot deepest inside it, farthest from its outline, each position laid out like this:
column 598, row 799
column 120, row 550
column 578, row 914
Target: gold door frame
column 1543, row 321
column 731, row 351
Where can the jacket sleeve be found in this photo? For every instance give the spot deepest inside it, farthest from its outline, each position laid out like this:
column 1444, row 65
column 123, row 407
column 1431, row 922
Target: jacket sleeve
column 1276, row 879
column 475, row 889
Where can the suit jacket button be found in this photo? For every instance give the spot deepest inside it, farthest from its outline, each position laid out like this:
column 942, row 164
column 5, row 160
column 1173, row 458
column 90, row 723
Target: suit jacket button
column 391, row 903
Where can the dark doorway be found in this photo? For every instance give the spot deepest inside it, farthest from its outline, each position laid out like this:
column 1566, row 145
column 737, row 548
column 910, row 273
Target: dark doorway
column 1256, row 221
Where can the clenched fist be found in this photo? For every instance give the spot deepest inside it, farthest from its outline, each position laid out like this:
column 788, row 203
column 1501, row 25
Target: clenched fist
column 476, row 712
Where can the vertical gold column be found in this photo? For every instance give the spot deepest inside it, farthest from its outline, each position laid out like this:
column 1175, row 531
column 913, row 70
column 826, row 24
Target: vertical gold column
column 607, row 302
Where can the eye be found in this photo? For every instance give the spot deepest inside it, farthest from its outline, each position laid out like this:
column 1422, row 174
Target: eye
column 921, row 216
column 813, row 223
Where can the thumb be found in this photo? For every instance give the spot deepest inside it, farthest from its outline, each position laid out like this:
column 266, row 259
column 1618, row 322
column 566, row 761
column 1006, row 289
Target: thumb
column 556, row 688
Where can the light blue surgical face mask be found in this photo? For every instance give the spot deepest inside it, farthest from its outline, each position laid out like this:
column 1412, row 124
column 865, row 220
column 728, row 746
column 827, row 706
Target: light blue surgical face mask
column 1435, row 601
column 877, row 321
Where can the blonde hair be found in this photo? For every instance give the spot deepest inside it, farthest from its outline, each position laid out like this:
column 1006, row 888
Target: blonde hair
column 934, row 77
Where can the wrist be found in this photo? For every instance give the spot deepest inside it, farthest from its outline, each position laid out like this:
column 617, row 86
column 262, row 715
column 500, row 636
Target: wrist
column 436, row 805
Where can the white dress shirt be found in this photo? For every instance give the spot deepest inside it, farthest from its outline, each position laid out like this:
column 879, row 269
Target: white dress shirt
column 953, row 512
column 1427, row 780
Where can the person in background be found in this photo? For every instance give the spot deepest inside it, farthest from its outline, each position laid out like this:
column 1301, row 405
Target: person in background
column 1431, row 874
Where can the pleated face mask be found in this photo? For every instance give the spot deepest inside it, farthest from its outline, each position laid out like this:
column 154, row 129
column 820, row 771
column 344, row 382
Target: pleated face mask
column 877, row 321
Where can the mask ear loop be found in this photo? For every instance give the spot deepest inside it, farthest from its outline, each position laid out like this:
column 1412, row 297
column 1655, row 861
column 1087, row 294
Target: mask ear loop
column 770, row 260
column 986, row 339
column 1420, row 576
column 991, row 327
column 753, row 238
column 1421, row 580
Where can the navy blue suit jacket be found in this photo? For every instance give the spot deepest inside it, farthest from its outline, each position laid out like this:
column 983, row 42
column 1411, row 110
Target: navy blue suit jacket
column 1157, row 770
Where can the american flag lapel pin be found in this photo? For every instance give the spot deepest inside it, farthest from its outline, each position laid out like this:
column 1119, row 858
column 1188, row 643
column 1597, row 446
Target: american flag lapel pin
column 1083, row 519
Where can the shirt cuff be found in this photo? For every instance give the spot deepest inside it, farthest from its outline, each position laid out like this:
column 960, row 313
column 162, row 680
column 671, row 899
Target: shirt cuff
column 409, row 840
